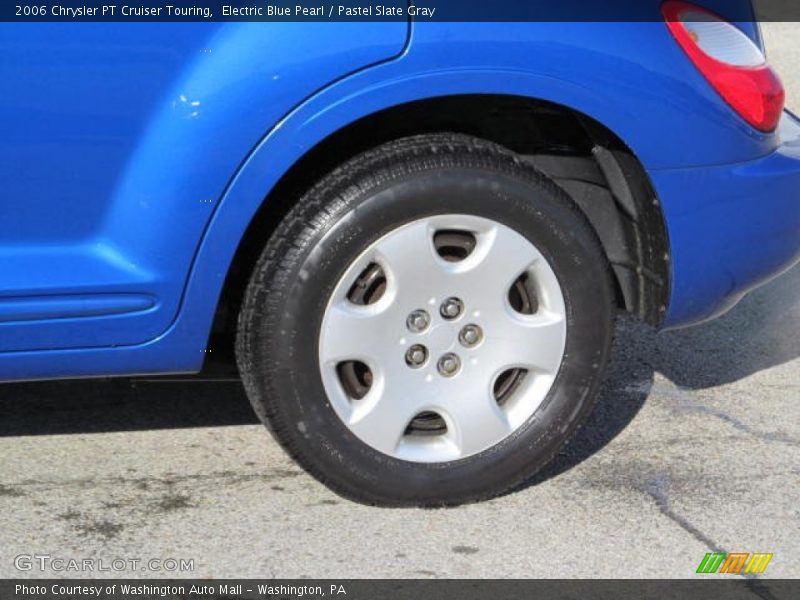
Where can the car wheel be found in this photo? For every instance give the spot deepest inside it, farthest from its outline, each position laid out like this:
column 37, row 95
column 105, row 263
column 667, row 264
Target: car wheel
column 429, row 324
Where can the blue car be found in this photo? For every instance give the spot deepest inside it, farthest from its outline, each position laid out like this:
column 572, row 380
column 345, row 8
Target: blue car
column 415, row 234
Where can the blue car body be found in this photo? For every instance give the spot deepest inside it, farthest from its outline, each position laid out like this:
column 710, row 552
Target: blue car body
column 134, row 157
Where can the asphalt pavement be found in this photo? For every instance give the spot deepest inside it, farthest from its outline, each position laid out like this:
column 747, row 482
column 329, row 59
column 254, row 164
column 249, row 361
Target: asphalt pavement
column 694, row 447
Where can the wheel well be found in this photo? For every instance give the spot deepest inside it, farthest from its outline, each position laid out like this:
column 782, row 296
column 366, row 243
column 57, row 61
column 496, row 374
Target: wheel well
column 592, row 164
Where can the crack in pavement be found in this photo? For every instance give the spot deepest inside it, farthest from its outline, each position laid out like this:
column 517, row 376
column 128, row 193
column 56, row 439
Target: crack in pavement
column 656, row 488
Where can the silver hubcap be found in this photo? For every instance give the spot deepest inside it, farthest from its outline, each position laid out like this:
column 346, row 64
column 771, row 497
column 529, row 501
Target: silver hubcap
column 432, row 351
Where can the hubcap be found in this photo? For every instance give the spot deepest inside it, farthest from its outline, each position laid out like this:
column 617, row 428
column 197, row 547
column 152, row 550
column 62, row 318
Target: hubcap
column 457, row 377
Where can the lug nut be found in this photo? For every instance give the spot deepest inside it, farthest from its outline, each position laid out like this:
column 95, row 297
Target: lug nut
column 418, row 321
column 416, row 356
column 470, row 336
column 451, row 308
column 449, row 364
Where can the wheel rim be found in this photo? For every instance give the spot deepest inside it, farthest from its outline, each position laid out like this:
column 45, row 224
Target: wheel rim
column 443, row 338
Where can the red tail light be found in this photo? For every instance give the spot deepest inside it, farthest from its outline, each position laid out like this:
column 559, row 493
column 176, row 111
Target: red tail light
column 730, row 61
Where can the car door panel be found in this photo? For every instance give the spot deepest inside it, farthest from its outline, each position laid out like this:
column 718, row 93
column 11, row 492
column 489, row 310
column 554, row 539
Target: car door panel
column 117, row 142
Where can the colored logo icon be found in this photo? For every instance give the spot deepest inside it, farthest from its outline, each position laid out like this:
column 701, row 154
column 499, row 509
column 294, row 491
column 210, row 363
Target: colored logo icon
column 734, row 563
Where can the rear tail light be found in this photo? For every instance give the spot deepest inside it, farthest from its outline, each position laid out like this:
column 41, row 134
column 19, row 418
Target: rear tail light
column 730, row 61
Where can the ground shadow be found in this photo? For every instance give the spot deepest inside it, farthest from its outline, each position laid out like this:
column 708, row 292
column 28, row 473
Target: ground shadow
column 213, row 398
column 763, row 331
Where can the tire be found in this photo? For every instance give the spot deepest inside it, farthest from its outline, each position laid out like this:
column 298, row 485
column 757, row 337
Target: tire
column 485, row 212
